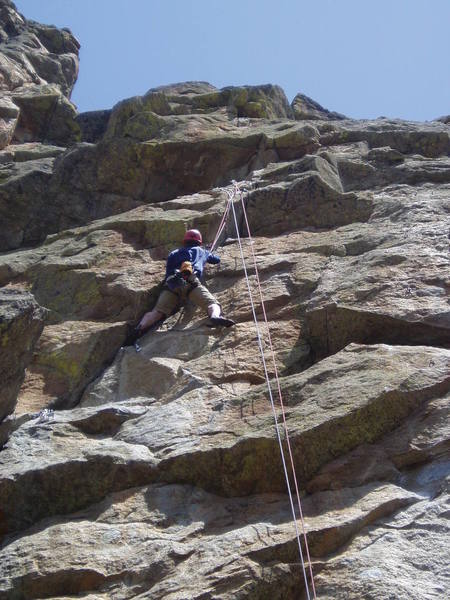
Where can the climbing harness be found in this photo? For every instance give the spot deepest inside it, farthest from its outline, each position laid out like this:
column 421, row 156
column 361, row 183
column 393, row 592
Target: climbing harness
column 182, row 278
column 232, row 192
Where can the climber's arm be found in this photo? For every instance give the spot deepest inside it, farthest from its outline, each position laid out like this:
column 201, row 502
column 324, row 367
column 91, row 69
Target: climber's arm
column 213, row 259
column 171, row 264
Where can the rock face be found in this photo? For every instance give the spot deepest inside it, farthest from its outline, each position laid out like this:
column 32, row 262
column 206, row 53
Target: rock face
column 158, row 473
column 38, row 69
column 21, row 324
column 306, row 108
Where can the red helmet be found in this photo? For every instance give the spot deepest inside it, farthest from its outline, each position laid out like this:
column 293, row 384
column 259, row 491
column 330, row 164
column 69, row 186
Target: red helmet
column 193, row 235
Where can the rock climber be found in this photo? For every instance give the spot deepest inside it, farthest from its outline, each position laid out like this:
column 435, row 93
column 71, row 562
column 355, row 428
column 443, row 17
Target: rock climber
column 184, row 269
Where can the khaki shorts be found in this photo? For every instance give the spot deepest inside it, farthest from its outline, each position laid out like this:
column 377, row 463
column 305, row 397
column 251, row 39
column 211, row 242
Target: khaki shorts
column 169, row 302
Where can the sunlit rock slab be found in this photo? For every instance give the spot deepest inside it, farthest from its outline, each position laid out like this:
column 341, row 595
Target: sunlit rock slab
column 405, row 557
column 396, row 292
column 68, row 356
column 208, row 437
column 175, row 541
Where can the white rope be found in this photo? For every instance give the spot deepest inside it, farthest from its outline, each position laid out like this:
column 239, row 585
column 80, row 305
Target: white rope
column 231, row 195
column 222, row 224
column 280, row 396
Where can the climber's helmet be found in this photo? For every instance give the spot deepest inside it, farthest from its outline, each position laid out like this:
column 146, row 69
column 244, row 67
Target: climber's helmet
column 192, row 237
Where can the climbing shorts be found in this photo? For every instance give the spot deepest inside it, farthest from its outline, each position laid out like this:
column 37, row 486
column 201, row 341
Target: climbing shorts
column 169, row 301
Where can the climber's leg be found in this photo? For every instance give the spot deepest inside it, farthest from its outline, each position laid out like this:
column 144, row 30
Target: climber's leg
column 167, row 304
column 202, row 297
column 149, row 319
column 214, row 311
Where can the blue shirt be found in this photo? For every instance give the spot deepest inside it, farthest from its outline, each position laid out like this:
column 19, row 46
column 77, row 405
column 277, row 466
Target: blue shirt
column 197, row 255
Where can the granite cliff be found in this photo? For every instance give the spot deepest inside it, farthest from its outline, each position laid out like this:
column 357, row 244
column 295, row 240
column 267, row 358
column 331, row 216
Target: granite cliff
column 157, row 474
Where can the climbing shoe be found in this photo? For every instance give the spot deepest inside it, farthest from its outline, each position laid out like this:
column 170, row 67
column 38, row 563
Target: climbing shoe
column 221, row 322
column 133, row 335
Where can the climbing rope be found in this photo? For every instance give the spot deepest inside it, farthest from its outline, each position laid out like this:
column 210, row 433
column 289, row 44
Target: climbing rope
column 223, row 222
column 232, row 192
column 280, row 396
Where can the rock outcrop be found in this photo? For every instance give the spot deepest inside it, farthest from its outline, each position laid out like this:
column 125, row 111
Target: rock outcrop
column 38, row 69
column 306, row 108
column 157, row 473
column 21, row 324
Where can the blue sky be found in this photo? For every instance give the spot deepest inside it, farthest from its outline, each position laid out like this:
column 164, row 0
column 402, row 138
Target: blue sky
column 363, row 58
